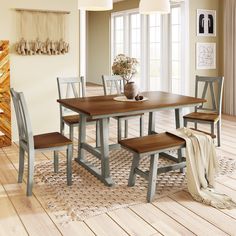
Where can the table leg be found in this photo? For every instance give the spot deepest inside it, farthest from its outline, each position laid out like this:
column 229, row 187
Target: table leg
column 102, row 153
column 104, row 139
column 82, row 137
column 151, row 123
column 178, row 118
column 178, row 124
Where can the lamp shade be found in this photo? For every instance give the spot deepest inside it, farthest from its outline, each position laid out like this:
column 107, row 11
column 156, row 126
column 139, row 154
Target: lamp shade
column 154, row 6
column 95, row 5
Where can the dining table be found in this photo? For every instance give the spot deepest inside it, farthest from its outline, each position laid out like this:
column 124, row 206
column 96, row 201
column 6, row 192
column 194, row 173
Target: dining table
column 105, row 107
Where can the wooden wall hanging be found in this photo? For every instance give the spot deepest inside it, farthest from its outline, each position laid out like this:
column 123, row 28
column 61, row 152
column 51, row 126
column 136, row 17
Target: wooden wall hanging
column 42, row 32
column 5, row 101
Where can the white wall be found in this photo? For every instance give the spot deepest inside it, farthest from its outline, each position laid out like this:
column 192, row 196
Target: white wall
column 36, row 75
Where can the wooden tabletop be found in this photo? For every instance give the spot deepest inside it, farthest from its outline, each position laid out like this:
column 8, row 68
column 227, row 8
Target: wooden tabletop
column 106, row 106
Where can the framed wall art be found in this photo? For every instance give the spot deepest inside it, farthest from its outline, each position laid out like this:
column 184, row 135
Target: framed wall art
column 206, row 56
column 206, row 22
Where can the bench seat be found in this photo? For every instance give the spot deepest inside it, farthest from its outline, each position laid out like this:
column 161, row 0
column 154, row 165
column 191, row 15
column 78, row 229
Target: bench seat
column 153, row 143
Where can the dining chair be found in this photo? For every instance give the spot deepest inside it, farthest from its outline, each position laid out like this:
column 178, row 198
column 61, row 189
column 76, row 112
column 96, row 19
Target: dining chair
column 115, row 85
column 73, row 87
column 209, row 112
column 29, row 143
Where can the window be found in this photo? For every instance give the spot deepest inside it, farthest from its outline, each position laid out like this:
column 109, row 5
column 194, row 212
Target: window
column 156, row 41
column 154, row 61
column 176, row 49
column 119, row 35
column 135, row 41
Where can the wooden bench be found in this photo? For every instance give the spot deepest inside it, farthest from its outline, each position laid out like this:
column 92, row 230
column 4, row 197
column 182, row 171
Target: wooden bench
column 152, row 145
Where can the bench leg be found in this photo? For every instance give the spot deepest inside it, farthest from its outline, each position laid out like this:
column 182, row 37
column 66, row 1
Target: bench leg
column 132, row 175
column 152, row 177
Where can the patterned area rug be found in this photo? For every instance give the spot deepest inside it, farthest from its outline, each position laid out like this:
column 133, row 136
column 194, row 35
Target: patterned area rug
column 89, row 197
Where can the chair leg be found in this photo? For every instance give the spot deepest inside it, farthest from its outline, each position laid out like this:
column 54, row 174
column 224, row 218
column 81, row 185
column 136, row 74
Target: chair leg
column 30, row 180
column 98, row 143
column 132, row 175
column 195, row 125
column 21, row 164
column 72, row 135
column 185, row 122
column 62, row 127
column 218, row 132
column 119, row 129
column 152, row 177
column 69, row 164
column 141, row 126
column 56, row 161
column 212, row 128
column 126, row 128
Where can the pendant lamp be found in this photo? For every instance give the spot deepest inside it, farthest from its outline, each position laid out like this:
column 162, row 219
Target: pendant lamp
column 154, row 6
column 95, row 5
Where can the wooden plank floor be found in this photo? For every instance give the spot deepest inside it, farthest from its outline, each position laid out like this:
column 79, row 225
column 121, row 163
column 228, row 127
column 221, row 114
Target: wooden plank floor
column 176, row 214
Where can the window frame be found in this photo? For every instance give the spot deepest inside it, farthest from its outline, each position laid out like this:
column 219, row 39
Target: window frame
column 166, row 47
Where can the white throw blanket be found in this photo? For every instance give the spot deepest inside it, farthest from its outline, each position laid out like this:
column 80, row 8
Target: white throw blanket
column 202, row 166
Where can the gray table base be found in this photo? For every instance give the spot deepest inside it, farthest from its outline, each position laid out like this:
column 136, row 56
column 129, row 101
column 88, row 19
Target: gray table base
column 102, row 153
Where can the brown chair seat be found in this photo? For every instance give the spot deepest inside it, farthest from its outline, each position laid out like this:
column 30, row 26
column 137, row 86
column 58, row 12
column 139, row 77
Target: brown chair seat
column 50, row 140
column 153, row 143
column 75, row 119
column 202, row 116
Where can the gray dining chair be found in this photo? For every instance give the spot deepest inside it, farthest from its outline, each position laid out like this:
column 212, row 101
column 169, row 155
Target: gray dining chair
column 73, row 87
column 115, row 85
column 209, row 112
column 29, row 143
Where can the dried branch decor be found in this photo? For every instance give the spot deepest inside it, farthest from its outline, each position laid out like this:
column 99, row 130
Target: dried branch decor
column 42, row 33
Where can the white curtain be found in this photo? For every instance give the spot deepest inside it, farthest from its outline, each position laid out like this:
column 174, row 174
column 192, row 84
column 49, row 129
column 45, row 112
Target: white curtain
column 229, row 101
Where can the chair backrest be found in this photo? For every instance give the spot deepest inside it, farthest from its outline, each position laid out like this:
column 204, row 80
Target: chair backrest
column 23, row 120
column 215, row 87
column 70, row 87
column 112, row 84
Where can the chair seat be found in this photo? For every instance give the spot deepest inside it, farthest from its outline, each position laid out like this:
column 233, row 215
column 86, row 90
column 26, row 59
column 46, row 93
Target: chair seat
column 202, row 116
column 153, row 143
column 75, row 119
column 50, row 140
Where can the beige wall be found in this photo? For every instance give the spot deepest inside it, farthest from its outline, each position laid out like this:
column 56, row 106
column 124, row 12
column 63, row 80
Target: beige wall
column 100, row 21
column 36, row 75
column 98, row 46
column 210, row 5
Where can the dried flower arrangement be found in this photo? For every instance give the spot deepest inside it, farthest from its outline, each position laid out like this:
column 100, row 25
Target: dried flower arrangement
column 124, row 66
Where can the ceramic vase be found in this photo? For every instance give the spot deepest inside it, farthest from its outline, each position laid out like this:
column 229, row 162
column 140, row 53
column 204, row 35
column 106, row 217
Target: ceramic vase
column 130, row 90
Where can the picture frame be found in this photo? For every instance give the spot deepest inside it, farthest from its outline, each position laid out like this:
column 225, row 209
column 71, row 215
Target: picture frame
column 206, row 23
column 205, row 56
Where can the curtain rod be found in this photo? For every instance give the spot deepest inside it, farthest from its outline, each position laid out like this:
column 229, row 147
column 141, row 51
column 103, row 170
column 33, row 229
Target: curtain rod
column 45, row 11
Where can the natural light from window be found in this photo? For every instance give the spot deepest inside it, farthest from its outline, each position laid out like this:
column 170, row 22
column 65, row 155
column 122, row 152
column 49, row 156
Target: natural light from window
column 156, row 41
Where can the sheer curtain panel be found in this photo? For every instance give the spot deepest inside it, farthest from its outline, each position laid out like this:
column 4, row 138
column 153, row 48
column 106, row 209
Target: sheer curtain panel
column 229, row 101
